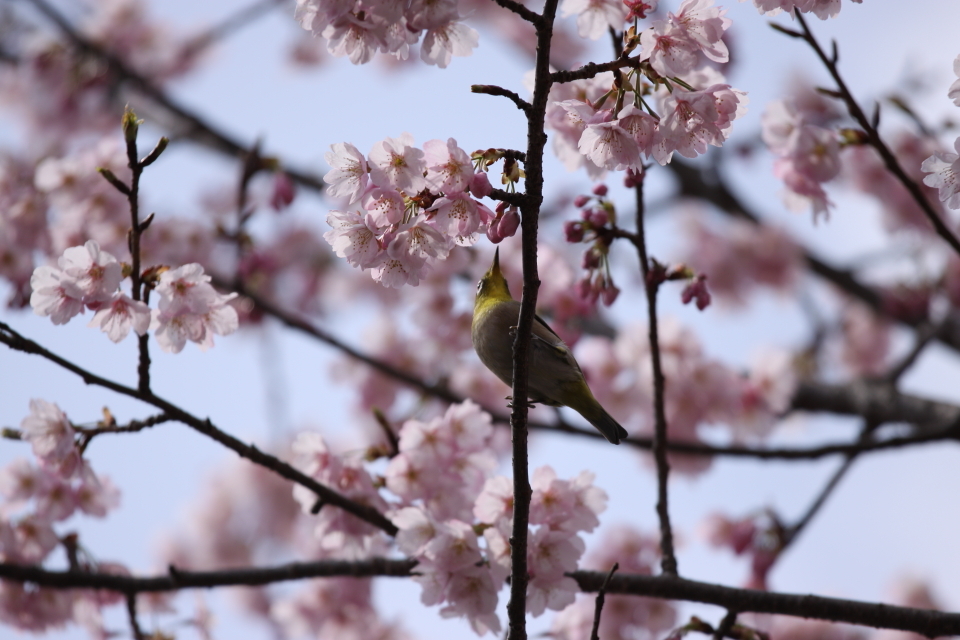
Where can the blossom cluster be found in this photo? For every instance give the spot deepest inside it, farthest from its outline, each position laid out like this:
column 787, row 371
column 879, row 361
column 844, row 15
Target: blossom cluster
column 944, row 168
column 38, row 495
column 823, row 9
column 807, row 155
column 696, row 107
column 414, row 206
column 88, row 278
column 456, row 519
column 359, row 29
column 702, row 390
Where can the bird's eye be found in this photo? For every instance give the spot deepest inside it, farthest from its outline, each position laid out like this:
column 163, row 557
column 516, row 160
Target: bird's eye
column 479, row 284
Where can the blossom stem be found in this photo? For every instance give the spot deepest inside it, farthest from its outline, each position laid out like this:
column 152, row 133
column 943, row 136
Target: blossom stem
column 368, row 514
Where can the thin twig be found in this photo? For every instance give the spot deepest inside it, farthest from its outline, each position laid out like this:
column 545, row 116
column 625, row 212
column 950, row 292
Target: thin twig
column 668, row 561
column 494, row 90
column 725, row 625
column 601, row 598
column 368, row 514
column 528, row 15
column 873, row 137
column 88, row 434
column 593, row 69
column 132, row 616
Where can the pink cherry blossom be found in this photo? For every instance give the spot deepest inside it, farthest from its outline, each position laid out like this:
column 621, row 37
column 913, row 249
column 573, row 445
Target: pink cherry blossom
column 449, row 168
column 396, row 163
column 48, row 431
column 595, row 17
column 386, row 206
column 120, row 315
column 670, row 51
column 348, row 178
column 354, row 237
column 954, row 92
column 442, row 42
column 609, row 146
column 457, row 214
column 52, row 295
column 94, row 274
column 191, row 309
column 944, row 169
column 358, row 38
column 704, row 25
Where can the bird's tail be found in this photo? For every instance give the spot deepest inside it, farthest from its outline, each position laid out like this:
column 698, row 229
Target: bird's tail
column 602, row 421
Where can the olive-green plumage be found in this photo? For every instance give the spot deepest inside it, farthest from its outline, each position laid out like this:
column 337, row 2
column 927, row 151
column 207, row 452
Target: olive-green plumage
column 555, row 376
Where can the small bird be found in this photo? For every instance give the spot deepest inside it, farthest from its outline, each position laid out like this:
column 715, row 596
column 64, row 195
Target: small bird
column 555, row 376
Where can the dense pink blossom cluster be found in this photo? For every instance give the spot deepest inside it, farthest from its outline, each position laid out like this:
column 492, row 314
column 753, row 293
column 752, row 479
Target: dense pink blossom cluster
column 696, row 108
column 361, row 29
column 63, row 94
column 699, row 391
column 414, row 206
column 456, row 518
column 88, row 278
column 823, row 9
column 807, row 155
column 36, row 497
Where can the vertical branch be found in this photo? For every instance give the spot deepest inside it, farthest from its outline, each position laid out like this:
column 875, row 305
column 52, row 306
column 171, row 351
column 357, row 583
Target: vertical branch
column 132, row 615
column 530, row 212
column 668, row 561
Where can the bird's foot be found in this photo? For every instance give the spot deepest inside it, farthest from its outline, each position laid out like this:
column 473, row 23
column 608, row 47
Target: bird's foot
column 530, row 405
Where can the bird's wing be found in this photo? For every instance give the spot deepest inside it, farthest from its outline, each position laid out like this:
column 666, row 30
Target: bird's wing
column 553, row 353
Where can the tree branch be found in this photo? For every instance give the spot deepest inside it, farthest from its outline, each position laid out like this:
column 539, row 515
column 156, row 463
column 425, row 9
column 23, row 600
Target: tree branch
column 873, row 136
column 922, row 621
column 368, row 514
column 194, row 127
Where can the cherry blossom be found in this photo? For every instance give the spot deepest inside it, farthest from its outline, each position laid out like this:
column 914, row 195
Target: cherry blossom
column 121, row 314
column 48, row 431
column 190, row 309
column 943, row 169
column 595, row 17
column 348, row 177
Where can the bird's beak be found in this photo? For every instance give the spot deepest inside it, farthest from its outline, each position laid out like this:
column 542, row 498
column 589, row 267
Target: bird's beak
column 496, row 261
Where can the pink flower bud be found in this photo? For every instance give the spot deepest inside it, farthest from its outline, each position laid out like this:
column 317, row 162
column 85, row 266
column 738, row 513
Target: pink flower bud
column 609, row 294
column 509, row 223
column 696, row 289
column 480, row 185
column 493, row 233
column 581, row 201
column 284, row 191
column 599, row 218
column 573, row 231
column 632, row 178
column 600, row 190
column 591, row 259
